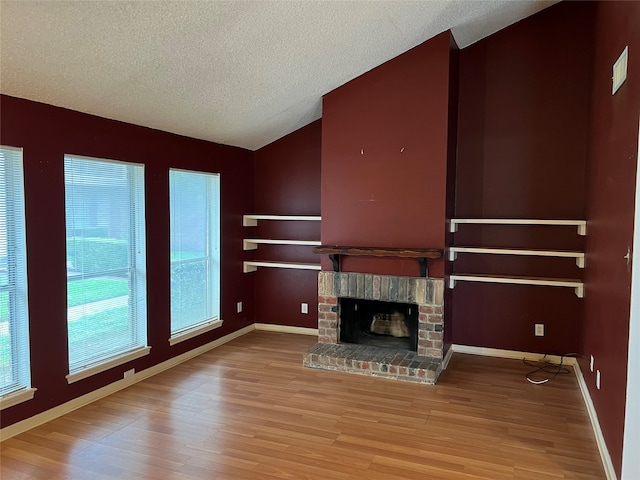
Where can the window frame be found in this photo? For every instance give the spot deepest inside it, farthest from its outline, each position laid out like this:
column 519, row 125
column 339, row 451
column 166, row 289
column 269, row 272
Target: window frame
column 213, row 242
column 136, row 270
column 19, row 388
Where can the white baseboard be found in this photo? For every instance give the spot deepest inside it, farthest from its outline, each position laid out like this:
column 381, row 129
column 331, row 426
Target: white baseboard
column 447, row 357
column 269, row 327
column 496, row 352
column 595, row 424
column 55, row 412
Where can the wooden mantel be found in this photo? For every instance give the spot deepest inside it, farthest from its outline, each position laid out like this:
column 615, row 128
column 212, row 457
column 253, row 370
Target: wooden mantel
column 421, row 254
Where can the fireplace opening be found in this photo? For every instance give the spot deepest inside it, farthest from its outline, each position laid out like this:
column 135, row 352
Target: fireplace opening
column 377, row 323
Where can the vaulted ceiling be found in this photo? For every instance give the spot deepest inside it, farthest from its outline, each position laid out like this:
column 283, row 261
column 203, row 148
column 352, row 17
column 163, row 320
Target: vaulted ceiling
column 242, row 73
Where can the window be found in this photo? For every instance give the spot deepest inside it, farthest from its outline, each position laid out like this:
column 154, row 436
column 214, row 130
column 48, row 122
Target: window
column 14, row 320
column 195, row 253
column 106, row 264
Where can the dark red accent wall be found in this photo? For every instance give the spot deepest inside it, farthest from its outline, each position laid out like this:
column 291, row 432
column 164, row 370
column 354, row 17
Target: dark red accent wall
column 384, row 159
column 287, row 182
column 522, row 146
column 611, row 178
column 46, row 134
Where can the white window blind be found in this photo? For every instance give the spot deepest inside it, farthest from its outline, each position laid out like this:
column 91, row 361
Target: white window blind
column 14, row 321
column 195, row 249
column 106, row 261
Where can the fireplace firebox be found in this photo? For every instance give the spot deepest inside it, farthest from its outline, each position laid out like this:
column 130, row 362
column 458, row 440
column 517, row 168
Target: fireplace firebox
column 379, row 323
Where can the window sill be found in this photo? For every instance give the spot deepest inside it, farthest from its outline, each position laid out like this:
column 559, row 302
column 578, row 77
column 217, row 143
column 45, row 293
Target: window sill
column 14, row 398
column 112, row 362
column 194, row 332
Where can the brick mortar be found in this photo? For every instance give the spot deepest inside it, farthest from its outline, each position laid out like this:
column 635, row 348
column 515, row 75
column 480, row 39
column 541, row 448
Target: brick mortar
column 337, row 357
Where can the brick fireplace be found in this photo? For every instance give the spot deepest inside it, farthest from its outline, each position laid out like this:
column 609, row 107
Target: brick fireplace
column 422, row 365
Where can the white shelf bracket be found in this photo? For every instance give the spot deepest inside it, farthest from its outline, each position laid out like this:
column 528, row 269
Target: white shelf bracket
column 249, row 245
column 453, row 255
column 580, row 262
column 582, row 229
column 248, row 268
column 453, row 226
column 579, row 291
column 452, row 283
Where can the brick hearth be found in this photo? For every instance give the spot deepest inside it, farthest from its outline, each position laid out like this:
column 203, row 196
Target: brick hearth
column 422, row 366
column 377, row 362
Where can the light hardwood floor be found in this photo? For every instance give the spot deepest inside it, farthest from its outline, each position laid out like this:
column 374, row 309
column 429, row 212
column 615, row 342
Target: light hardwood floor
column 248, row 410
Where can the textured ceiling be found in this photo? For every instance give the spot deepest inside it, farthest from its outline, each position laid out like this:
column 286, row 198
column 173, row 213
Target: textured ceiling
column 242, row 73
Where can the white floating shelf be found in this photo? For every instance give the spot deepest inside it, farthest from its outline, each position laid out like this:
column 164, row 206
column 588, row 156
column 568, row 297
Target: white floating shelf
column 252, row 220
column 581, row 224
column 252, row 243
column 579, row 256
column 252, row 266
column 577, row 285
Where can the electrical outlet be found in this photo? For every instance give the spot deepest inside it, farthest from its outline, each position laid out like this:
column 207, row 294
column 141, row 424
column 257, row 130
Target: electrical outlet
column 598, row 379
column 591, row 363
column 304, row 308
column 129, row 373
column 539, row 330
column 239, row 307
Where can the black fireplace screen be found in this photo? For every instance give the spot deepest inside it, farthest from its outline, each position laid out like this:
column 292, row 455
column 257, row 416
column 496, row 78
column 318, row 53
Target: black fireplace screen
column 382, row 324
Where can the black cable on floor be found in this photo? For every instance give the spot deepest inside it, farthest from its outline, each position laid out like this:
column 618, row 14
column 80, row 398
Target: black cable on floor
column 545, row 370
